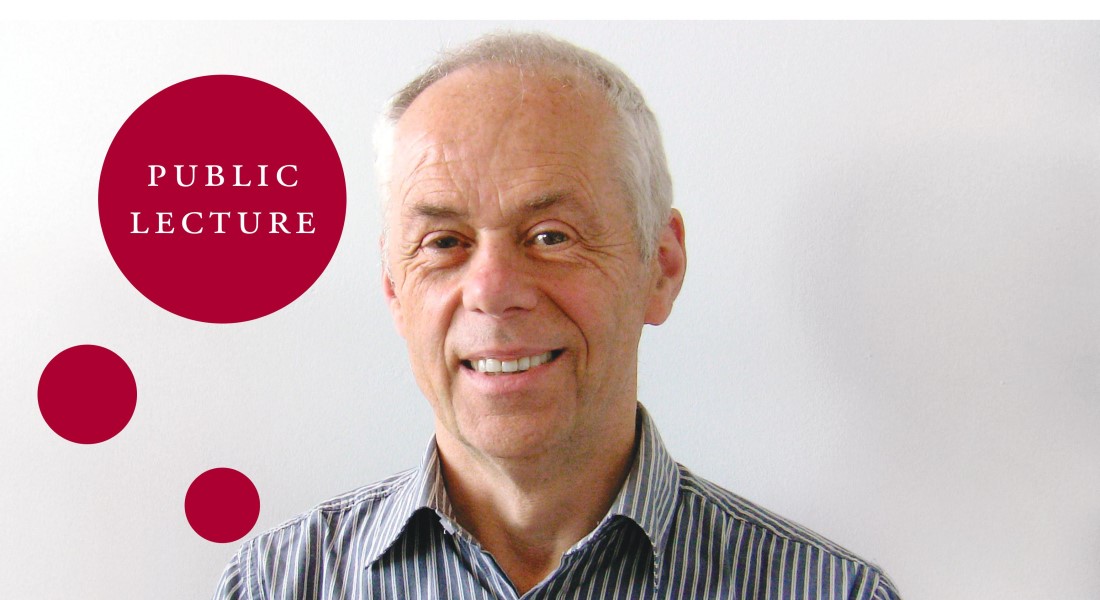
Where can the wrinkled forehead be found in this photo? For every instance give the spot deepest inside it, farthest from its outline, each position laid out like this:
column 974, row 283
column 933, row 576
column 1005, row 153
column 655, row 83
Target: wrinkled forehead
column 501, row 112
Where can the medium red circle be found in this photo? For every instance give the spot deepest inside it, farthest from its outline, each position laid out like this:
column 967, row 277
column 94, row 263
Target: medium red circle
column 222, row 199
column 87, row 394
column 222, row 505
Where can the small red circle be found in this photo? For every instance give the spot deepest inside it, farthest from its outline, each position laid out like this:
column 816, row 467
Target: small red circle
column 87, row 394
column 222, row 505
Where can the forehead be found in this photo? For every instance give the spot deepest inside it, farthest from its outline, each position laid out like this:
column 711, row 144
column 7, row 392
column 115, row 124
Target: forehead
column 487, row 128
column 517, row 100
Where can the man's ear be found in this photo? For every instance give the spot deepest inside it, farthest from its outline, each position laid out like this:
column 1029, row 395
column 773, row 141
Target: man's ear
column 671, row 264
column 390, row 293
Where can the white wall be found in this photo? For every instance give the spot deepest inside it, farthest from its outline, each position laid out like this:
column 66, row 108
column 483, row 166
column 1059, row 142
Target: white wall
column 889, row 330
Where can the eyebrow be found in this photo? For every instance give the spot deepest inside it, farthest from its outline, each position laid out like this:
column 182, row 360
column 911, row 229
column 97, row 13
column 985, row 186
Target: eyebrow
column 547, row 200
column 432, row 210
column 566, row 199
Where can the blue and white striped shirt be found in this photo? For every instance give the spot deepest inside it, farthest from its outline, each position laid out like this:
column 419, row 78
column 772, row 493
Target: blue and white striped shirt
column 669, row 534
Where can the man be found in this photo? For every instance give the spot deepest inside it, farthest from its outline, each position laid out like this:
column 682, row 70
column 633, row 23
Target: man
column 529, row 236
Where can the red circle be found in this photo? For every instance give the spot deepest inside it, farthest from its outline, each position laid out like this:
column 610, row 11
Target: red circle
column 222, row 505
column 222, row 199
column 87, row 394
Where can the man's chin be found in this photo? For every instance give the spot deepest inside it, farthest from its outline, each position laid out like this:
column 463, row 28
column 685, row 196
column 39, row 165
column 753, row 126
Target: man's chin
column 511, row 437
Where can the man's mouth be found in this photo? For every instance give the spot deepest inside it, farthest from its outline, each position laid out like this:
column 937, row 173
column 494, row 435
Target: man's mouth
column 496, row 366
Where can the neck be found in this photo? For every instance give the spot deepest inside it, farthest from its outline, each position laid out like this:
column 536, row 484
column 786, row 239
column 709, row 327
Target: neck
column 527, row 512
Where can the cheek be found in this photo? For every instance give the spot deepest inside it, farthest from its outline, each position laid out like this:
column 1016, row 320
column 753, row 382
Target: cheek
column 426, row 328
column 429, row 309
column 608, row 314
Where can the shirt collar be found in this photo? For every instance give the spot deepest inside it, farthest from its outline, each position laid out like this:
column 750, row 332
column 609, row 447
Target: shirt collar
column 651, row 489
column 421, row 488
column 648, row 496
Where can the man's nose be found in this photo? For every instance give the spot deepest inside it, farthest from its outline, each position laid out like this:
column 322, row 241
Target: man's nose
column 498, row 281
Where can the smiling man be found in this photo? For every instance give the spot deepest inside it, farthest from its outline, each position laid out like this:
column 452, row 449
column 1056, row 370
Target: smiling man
column 529, row 237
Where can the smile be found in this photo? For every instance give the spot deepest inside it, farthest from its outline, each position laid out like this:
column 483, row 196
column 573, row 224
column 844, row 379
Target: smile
column 496, row 366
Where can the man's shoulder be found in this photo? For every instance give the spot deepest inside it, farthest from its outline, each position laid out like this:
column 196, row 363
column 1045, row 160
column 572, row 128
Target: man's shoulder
column 328, row 543
column 366, row 495
column 745, row 522
column 348, row 515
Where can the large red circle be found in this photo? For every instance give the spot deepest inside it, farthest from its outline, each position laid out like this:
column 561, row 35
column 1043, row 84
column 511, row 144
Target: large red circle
column 87, row 394
column 190, row 150
column 222, row 505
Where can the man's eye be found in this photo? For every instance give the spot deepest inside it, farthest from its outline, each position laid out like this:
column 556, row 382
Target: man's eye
column 549, row 238
column 444, row 242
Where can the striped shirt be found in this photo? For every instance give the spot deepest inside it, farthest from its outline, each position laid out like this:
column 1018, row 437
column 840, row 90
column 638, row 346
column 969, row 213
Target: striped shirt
column 669, row 534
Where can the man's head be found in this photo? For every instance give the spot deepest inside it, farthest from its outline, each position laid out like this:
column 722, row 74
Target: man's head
column 517, row 268
column 642, row 167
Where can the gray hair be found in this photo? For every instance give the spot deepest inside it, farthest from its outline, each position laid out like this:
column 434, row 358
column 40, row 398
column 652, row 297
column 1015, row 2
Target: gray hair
column 643, row 168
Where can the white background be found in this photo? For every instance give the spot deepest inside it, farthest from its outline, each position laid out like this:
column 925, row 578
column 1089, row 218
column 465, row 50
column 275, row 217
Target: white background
column 889, row 330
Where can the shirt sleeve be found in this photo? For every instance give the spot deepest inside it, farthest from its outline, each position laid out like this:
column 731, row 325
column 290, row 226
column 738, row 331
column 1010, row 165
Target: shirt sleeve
column 231, row 585
column 884, row 589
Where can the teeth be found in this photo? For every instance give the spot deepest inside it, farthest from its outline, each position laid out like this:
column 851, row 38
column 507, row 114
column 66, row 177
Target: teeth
column 493, row 365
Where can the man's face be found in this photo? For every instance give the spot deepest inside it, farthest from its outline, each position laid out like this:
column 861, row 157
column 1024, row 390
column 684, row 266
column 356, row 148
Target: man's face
column 517, row 279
